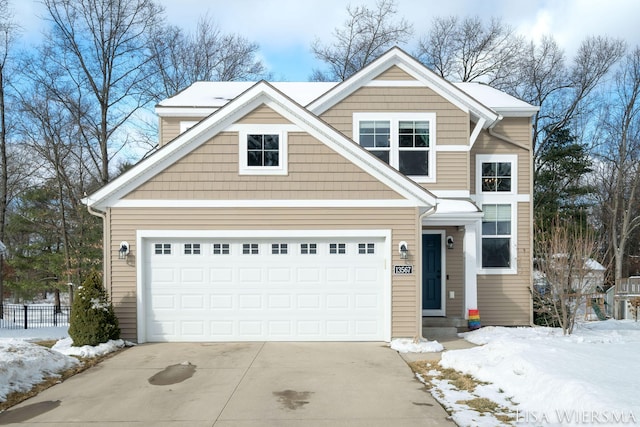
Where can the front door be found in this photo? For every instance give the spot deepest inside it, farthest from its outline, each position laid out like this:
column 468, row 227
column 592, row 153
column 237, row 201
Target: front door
column 431, row 272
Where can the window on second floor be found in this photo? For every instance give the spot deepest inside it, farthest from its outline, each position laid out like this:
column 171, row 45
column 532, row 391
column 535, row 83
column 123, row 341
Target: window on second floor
column 406, row 141
column 263, row 151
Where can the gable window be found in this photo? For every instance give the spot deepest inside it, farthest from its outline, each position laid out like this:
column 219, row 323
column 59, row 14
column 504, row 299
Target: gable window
column 263, row 150
column 403, row 140
column 496, row 236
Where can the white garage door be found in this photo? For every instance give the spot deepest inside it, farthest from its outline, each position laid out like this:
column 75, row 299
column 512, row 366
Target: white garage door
column 302, row 289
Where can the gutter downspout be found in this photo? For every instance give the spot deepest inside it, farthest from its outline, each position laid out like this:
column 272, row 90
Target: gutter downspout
column 102, row 215
column 422, row 216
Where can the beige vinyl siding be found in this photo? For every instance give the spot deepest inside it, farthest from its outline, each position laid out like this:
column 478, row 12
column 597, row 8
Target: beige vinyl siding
column 395, row 73
column 452, row 124
column 486, row 144
column 125, row 221
column 451, row 171
column 170, row 127
column 263, row 115
column 506, row 299
column 210, row 172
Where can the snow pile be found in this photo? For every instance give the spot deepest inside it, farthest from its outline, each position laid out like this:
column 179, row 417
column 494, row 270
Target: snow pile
column 544, row 377
column 65, row 346
column 407, row 345
column 22, row 365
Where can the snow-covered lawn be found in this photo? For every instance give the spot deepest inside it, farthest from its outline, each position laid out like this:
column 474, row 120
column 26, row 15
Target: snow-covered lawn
column 540, row 377
column 24, row 364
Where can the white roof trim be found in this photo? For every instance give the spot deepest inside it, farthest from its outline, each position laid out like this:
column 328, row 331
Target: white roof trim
column 396, row 56
column 260, row 93
column 266, row 203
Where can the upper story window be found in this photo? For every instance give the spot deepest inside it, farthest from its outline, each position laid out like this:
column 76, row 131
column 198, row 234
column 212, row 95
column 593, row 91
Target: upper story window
column 496, row 173
column 405, row 141
column 263, row 151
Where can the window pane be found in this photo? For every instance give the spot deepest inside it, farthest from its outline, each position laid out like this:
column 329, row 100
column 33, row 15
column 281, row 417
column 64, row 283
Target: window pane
column 489, row 228
column 495, row 252
column 366, row 140
column 382, row 140
column 488, row 169
column 271, row 142
column 254, row 142
column 422, row 141
column 405, row 127
column 413, row 162
column 382, row 155
column 254, row 158
column 367, row 127
column 405, row 140
column 271, row 158
column 488, row 184
column 422, row 128
column 504, row 169
column 503, row 184
column 383, row 127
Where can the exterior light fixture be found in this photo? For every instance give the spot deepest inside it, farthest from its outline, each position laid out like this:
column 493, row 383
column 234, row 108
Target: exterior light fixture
column 124, row 250
column 450, row 242
column 404, row 250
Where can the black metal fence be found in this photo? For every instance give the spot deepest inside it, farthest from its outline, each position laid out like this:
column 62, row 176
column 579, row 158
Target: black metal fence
column 18, row 316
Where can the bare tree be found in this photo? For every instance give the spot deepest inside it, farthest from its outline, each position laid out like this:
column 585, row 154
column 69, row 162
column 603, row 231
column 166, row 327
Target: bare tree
column 618, row 161
column 8, row 31
column 563, row 92
column 468, row 49
column 564, row 267
column 99, row 51
column 366, row 35
column 207, row 55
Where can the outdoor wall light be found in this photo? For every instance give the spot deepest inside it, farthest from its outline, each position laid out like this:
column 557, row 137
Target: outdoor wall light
column 124, row 250
column 404, row 249
column 450, row 242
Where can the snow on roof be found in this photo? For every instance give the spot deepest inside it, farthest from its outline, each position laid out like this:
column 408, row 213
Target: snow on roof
column 497, row 100
column 217, row 94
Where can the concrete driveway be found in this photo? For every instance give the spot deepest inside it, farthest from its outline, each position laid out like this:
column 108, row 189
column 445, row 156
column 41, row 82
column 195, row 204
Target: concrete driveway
column 239, row 384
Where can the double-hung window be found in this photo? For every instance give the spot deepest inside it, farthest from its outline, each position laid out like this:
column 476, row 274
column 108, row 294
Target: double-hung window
column 496, row 192
column 406, row 141
column 496, row 236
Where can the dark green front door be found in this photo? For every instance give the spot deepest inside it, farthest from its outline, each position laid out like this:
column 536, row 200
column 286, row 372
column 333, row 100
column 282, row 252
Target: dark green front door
column 431, row 272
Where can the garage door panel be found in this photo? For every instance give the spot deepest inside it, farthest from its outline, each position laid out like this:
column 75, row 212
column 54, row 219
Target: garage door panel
column 268, row 295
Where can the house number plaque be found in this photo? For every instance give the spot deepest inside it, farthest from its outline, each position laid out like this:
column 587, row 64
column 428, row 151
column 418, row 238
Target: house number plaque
column 403, row 269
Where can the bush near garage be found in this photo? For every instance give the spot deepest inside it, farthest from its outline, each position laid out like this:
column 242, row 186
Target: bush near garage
column 93, row 320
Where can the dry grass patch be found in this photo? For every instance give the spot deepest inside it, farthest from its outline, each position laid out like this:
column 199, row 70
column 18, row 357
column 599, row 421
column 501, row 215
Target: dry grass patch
column 85, row 363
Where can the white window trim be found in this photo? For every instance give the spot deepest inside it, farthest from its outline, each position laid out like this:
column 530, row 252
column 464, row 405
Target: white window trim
column 281, row 169
column 394, row 119
column 501, row 198
column 497, row 158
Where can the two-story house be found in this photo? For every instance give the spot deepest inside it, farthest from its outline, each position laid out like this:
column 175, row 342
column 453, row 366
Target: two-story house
column 324, row 211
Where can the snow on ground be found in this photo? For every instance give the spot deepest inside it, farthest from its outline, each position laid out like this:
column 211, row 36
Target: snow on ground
column 544, row 378
column 24, row 364
column 407, row 345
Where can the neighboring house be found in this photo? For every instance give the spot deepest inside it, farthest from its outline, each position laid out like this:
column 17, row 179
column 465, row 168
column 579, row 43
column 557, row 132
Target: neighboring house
column 324, row 211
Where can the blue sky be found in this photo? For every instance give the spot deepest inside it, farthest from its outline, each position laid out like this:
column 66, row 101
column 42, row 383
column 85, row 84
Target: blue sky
column 285, row 29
